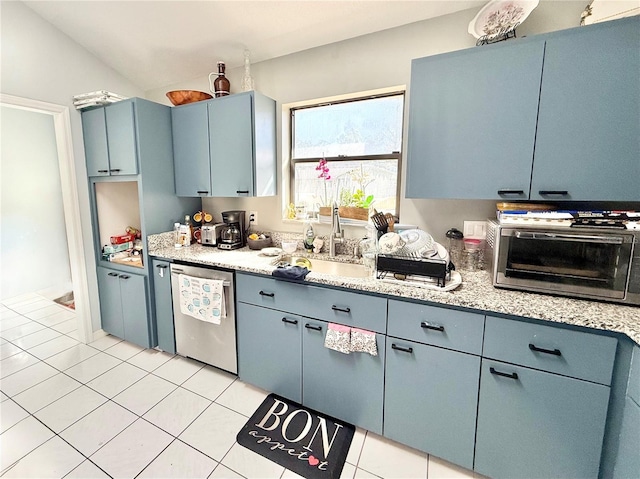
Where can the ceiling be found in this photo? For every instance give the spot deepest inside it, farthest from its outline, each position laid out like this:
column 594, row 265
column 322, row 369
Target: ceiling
column 158, row 43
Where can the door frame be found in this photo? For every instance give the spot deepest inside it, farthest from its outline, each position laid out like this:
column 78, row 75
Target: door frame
column 70, row 203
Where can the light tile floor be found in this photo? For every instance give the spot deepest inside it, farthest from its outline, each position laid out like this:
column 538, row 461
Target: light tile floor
column 113, row 409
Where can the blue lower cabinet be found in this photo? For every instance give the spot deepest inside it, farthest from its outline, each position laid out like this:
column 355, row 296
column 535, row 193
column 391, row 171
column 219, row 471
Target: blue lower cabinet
column 347, row 386
column 110, row 302
column 163, row 305
column 628, row 462
column 123, row 306
column 431, row 397
column 534, row 424
column 270, row 350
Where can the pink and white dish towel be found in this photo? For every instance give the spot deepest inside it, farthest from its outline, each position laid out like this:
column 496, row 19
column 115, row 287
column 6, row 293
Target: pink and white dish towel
column 363, row 341
column 346, row 340
column 338, row 338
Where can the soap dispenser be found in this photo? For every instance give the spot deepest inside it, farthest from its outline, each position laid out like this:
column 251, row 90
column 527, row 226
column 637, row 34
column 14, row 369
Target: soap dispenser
column 308, row 236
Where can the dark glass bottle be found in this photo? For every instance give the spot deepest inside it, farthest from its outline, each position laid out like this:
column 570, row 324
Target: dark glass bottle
column 221, row 84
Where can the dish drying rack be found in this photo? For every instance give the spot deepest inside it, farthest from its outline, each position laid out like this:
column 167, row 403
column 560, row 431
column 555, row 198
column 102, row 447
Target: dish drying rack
column 424, row 272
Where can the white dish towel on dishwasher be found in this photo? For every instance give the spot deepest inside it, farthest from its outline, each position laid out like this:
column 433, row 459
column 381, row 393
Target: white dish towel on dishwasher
column 202, row 298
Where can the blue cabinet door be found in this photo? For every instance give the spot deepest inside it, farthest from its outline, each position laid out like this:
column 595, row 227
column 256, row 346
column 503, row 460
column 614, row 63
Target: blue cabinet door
column 94, row 131
column 537, row 424
column 472, row 122
column 232, row 145
column 190, row 126
column 133, row 291
column 110, row 301
column 121, row 138
column 270, row 350
column 588, row 141
column 164, row 306
column 628, row 462
column 431, row 396
column 347, row 386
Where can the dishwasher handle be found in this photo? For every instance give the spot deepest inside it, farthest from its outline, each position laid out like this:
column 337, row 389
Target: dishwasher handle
column 178, row 271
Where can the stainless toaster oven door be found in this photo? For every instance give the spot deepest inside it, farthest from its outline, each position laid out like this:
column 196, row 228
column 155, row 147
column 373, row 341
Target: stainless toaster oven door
column 585, row 263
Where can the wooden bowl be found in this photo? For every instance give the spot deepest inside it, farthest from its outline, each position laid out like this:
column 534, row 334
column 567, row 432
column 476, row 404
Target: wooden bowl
column 182, row 97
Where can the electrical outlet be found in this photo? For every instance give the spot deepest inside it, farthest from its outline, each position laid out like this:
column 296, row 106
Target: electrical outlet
column 475, row 229
column 253, row 218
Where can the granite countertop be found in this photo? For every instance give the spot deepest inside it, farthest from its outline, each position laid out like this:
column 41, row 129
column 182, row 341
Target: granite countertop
column 476, row 291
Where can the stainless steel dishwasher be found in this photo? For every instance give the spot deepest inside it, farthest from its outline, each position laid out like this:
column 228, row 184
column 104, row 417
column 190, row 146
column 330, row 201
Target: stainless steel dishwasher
column 214, row 344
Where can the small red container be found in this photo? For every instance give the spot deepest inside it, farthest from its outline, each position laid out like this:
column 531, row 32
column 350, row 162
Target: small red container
column 122, row 239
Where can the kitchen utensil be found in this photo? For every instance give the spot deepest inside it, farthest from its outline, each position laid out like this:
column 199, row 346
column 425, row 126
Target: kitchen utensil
column 380, row 222
column 182, row 97
column 390, row 220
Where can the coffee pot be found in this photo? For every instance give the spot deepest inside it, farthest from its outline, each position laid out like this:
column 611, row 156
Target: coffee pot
column 233, row 234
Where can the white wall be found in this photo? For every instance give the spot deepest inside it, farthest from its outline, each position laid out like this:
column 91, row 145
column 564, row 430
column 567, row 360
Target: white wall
column 39, row 62
column 33, row 245
column 370, row 62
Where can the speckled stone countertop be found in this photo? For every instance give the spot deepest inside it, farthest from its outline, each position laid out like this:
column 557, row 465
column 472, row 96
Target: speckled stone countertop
column 476, row 291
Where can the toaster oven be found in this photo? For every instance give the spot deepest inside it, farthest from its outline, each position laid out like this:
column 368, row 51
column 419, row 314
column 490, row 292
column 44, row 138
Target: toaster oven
column 594, row 263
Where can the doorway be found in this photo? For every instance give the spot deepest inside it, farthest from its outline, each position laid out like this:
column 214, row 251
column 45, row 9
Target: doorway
column 69, row 267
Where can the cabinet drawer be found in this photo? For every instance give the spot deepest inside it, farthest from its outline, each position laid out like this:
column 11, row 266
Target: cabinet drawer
column 571, row 353
column 448, row 328
column 351, row 309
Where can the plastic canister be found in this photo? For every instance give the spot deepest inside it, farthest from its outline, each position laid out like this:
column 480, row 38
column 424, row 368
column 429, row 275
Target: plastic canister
column 456, row 245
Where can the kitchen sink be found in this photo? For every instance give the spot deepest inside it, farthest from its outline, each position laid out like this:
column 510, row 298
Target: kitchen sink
column 323, row 266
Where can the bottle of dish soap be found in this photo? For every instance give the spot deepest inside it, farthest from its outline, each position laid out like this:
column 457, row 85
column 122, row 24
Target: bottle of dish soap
column 308, row 236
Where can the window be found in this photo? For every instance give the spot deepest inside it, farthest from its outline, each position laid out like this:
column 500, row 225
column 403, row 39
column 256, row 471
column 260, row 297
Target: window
column 361, row 141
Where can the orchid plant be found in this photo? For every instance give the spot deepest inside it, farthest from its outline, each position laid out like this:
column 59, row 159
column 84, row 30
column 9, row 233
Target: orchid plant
column 324, row 174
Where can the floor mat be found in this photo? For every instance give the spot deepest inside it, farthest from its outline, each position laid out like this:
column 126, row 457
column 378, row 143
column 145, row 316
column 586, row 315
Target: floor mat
column 303, row 440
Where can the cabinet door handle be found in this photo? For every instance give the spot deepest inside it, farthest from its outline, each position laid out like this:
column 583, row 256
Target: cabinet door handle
column 504, row 375
column 290, row 321
column 342, row 310
column 435, row 327
column 553, row 192
column 269, row 295
column 124, row 276
column 202, row 192
column 103, row 171
column 555, row 352
column 112, row 274
column 511, row 192
column 162, row 266
column 311, row 326
column 115, row 170
column 242, row 192
column 400, row 348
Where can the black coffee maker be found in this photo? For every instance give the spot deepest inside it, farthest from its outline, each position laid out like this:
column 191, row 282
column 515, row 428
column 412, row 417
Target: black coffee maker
column 233, row 234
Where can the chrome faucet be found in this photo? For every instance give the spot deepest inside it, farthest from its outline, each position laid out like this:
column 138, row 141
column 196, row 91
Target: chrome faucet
column 336, row 231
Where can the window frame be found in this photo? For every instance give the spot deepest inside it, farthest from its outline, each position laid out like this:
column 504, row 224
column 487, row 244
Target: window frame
column 395, row 155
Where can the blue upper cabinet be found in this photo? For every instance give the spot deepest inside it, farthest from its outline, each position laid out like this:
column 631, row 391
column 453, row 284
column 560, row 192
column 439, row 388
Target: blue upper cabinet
column 588, row 139
column 190, row 130
column 226, row 147
column 110, row 140
column 551, row 117
column 472, row 121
